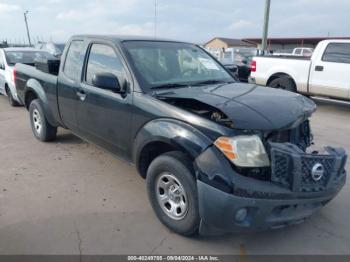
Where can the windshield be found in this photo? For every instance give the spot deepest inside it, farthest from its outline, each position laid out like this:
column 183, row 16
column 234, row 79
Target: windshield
column 169, row 63
column 25, row 57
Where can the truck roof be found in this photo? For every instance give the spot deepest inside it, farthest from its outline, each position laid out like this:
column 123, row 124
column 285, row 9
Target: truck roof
column 121, row 38
column 21, row 49
column 336, row 41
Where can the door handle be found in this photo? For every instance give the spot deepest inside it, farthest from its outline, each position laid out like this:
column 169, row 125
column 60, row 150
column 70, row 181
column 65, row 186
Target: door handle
column 318, row 68
column 82, row 95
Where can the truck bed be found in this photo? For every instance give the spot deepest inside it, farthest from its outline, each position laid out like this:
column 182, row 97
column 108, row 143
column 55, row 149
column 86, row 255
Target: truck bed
column 287, row 57
column 37, row 77
column 295, row 66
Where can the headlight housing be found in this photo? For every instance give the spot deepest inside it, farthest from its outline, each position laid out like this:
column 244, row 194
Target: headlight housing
column 244, row 151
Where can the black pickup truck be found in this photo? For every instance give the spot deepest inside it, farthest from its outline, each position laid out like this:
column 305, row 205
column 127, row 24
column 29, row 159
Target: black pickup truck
column 217, row 155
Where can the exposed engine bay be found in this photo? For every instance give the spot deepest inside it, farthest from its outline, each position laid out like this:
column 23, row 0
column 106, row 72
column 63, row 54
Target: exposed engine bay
column 202, row 109
column 299, row 135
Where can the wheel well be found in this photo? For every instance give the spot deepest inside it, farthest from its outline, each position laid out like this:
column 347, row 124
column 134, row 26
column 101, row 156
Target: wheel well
column 6, row 88
column 278, row 75
column 150, row 152
column 29, row 97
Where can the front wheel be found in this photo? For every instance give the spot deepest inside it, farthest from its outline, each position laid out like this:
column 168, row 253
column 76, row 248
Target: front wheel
column 42, row 129
column 172, row 191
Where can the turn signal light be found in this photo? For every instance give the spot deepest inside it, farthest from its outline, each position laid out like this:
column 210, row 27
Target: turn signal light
column 223, row 143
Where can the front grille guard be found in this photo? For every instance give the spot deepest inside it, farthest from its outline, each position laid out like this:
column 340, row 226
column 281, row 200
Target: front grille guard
column 291, row 167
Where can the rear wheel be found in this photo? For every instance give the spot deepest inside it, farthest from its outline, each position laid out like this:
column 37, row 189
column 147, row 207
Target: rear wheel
column 12, row 101
column 284, row 83
column 42, row 129
column 172, row 191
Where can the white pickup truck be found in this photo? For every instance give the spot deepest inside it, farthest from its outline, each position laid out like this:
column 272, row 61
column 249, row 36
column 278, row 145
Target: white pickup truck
column 326, row 73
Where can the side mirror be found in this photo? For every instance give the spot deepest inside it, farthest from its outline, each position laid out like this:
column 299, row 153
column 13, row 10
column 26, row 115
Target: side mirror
column 107, row 81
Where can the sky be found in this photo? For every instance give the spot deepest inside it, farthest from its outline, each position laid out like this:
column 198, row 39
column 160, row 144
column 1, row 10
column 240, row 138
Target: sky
column 190, row 20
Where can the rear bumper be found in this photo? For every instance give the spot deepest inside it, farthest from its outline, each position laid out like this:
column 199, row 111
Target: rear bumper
column 251, row 80
column 231, row 202
column 14, row 93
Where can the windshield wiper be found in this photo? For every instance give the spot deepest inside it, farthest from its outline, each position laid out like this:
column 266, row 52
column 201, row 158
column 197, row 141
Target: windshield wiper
column 169, row 85
column 211, row 82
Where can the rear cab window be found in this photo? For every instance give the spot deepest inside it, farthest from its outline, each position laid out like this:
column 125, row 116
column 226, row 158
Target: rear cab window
column 74, row 60
column 337, row 52
column 307, row 52
column 297, row 51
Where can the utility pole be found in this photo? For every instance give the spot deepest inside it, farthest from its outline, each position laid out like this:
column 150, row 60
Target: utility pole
column 26, row 21
column 266, row 26
column 155, row 18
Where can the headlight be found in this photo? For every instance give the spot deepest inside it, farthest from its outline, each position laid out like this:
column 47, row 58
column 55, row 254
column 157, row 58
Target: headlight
column 244, row 151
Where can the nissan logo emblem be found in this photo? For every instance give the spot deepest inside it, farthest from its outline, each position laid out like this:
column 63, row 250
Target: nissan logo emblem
column 317, row 171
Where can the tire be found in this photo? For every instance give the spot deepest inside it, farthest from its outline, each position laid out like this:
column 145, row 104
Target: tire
column 41, row 128
column 284, row 83
column 12, row 101
column 175, row 168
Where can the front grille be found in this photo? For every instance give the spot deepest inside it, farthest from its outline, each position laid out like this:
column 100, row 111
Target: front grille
column 307, row 183
column 279, row 170
column 291, row 167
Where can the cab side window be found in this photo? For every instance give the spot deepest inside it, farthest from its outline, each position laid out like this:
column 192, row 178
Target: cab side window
column 74, row 60
column 337, row 52
column 103, row 59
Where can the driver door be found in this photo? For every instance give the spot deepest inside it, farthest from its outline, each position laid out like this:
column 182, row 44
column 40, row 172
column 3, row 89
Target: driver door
column 104, row 116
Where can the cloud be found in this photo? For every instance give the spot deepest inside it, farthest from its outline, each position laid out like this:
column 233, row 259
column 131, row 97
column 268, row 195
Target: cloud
column 195, row 20
column 134, row 29
column 71, row 15
column 240, row 24
column 97, row 9
column 51, row 2
column 6, row 8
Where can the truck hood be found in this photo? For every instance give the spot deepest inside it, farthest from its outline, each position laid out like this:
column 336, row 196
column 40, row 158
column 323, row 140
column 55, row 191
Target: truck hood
column 249, row 106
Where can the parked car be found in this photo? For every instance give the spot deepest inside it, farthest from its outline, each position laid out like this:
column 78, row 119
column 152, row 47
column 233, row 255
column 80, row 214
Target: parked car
column 8, row 58
column 217, row 155
column 237, row 61
column 55, row 49
column 326, row 73
column 233, row 69
column 241, row 69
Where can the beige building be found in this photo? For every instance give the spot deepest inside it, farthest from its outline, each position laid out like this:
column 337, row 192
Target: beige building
column 289, row 43
column 224, row 43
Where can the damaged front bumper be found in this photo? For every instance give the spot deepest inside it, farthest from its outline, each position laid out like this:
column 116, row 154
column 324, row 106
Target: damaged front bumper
column 231, row 202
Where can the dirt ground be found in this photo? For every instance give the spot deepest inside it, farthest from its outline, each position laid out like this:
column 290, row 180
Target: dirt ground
column 70, row 197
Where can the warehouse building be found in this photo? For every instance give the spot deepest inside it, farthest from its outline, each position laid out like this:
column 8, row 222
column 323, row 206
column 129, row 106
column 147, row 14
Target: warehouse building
column 274, row 43
column 224, row 43
column 280, row 43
